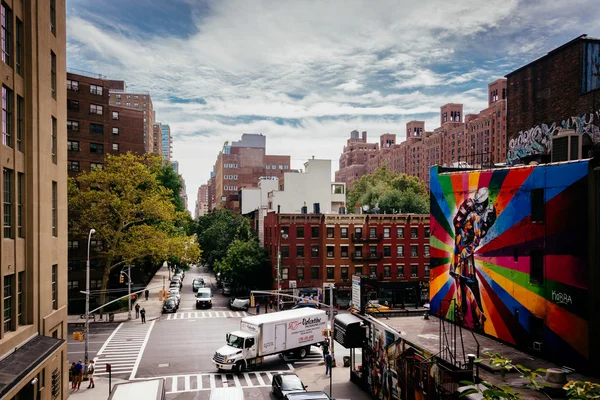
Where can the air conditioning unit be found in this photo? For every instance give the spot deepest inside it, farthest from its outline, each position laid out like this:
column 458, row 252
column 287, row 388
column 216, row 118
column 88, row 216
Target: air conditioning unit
column 413, row 275
column 566, row 146
column 537, row 346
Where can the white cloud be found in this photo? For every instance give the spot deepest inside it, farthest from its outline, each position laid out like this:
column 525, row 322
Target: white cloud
column 351, row 86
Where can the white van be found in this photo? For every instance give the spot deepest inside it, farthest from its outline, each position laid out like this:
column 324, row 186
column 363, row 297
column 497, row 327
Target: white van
column 232, row 393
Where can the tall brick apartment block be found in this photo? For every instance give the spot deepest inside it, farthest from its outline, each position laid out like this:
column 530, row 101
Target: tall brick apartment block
column 475, row 139
column 322, row 249
column 95, row 128
column 554, row 105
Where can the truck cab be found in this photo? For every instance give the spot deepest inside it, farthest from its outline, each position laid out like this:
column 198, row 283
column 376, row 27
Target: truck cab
column 241, row 346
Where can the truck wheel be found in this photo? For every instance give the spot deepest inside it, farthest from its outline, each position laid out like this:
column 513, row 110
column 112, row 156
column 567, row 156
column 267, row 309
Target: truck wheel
column 302, row 352
column 239, row 366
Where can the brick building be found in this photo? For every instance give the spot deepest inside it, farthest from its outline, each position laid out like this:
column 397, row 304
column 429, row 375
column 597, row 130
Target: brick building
column 553, row 104
column 318, row 250
column 202, row 201
column 94, row 129
column 354, row 158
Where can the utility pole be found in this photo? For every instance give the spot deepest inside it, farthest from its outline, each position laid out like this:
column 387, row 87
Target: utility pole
column 87, row 297
column 331, row 318
column 129, row 292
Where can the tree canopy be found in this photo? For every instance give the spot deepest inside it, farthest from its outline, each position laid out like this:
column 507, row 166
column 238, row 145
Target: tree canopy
column 131, row 212
column 246, row 264
column 390, row 192
column 172, row 181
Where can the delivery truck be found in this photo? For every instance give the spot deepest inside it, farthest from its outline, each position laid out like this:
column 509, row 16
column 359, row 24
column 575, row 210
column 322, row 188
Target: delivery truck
column 282, row 332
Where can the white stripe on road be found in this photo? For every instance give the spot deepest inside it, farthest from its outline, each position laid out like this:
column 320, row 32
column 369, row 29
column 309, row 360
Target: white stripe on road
column 248, row 380
column 139, row 358
column 109, row 338
column 260, row 379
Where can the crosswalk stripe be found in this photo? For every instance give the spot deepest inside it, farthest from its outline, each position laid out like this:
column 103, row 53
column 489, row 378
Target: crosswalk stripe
column 212, row 381
column 260, row 380
column 206, row 314
column 248, row 380
column 174, row 384
column 224, row 380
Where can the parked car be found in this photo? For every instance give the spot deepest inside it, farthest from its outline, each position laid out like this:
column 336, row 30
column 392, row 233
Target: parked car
column 197, row 284
column 174, row 294
column 284, row 384
column 177, row 279
column 227, row 289
column 181, row 272
column 170, row 306
column 204, row 298
column 307, row 396
column 236, row 304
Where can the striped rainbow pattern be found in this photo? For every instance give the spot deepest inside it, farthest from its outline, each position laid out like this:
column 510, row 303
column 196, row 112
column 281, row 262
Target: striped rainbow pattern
column 502, row 262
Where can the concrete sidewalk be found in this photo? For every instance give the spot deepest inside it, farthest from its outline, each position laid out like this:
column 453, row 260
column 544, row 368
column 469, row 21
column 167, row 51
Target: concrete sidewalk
column 315, row 379
column 100, row 392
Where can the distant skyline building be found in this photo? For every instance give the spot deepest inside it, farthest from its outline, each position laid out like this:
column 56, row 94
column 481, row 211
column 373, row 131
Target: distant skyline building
column 202, row 201
column 166, row 142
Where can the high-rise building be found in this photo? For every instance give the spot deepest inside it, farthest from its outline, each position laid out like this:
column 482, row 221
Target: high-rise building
column 241, row 164
column 354, row 158
column 166, row 142
column 156, row 138
column 138, row 100
column 95, row 128
column 33, row 333
column 202, row 201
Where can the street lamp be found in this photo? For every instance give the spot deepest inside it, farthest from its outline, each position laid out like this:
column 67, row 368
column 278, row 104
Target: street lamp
column 87, row 296
column 285, row 236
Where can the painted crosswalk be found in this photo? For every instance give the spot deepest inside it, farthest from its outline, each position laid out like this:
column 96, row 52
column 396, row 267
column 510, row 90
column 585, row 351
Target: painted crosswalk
column 123, row 349
column 207, row 314
column 208, row 381
column 314, row 357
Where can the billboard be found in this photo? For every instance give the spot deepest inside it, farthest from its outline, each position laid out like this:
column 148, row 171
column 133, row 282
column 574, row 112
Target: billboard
column 509, row 255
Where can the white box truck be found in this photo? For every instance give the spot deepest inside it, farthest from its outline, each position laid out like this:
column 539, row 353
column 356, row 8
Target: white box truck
column 292, row 331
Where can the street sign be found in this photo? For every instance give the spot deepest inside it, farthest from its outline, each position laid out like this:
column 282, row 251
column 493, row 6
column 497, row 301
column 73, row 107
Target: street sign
column 356, row 291
column 335, row 312
column 108, row 367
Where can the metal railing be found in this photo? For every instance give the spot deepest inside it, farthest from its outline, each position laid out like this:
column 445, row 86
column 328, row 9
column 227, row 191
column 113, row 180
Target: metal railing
column 86, row 73
column 366, row 238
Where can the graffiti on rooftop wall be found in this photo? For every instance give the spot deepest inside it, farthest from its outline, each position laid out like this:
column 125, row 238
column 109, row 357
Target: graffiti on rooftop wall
column 538, row 140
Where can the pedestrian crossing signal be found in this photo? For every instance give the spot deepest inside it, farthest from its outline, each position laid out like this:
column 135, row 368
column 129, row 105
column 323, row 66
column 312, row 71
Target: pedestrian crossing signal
column 78, row 336
column 121, row 278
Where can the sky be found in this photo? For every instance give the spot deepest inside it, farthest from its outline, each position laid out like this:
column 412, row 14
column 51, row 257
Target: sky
column 306, row 73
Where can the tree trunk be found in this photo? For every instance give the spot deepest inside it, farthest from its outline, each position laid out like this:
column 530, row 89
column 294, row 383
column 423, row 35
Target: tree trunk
column 105, row 277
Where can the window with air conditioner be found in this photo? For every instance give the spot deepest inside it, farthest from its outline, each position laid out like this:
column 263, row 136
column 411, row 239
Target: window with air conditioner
column 567, row 146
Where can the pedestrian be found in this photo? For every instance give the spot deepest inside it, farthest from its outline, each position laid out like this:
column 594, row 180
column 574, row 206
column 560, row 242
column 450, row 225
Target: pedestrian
column 328, row 360
column 137, row 311
column 78, row 374
column 280, row 304
column 385, row 303
column 146, row 293
column 90, row 373
column 257, row 308
column 72, row 376
column 143, row 314
column 268, row 305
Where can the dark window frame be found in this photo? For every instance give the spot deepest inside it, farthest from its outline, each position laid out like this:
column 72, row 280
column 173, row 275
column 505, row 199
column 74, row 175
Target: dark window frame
column 7, row 201
column 20, row 202
column 54, row 139
column 6, row 33
column 314, row 275
column 536, row 267
column 314, row 232
column 20, row 122
column 54, row 209
column 300, row 251
column 538, row 207
column 53, row 74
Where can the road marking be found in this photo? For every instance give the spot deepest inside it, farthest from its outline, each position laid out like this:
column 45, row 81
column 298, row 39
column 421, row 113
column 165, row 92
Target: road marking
column 110, row 337
column 224, row 380
column 187, row 383
column 206, row 314
column 260, row 380
column 139, row 358
column 212, row 381
column 248, row 380
column 199, row 380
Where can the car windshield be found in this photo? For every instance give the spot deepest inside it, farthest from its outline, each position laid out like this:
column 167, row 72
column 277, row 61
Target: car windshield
column 291, row 382
column 235, row 341
column 174, row 291
column 170, row 303
column 203, row 295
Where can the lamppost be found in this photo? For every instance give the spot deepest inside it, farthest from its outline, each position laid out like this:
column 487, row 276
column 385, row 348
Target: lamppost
column 87, row 296
column 285, row 236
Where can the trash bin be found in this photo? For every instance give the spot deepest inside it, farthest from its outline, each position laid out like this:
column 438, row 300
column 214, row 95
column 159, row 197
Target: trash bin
column 346, row 361
column 111, row 317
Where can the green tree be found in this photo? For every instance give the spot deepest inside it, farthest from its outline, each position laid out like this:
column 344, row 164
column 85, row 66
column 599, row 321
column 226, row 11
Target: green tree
column 390, row 192
column 172, row 181
column 131, row 211
column 246, row 264
column 216, row 231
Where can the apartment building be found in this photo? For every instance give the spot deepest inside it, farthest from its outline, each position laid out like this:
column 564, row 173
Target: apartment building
column 201, row 208
column 137, row 100
column 318, row 250
column 166, row 142
column 241, row 164
column 94, row 128
column 354, row 158
column 33, row 333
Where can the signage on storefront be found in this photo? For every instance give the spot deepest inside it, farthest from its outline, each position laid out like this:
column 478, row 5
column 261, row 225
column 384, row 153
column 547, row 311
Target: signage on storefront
column 356, row 291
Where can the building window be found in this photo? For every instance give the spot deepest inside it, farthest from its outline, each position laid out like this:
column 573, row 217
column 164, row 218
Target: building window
column 314, row 251
column 72, row 145
column 427, row 232
column 300, row 251
column 413, row 270
column 54, row 287
column 6, row 32
column 96, row 148
column 330, row 233
column 286, row 230
column 285, row 273
column 115, row 115
column 358, row 233
column 7, row 116
column 53, row 74
column 95, row 165
column 268, row 166
column 537, row 205
column 414, row 233
column 358, row 252
column 387, row 251
column 358, row 269
column 97, row 128
column 128, row 104
column 300, row 232
column 72, row 85
column 373, row 271
column 54, row 209
column 536, row 273
column 414, row 251
column 20, row 190
column 426, row 250
column 314, row 232
column 20, row 319
column 285, row 251
column 400, row 233
column 8, row 293
column 344, row 253
column 20, row 122
column 7, row 181
column 73, row 165
column 400, row 271
column 344, row 233
column 19, row 48
column 372, row 233
column 74, row 285
column 427, row 270
column 96, row 109
column 314, row 272
column 115, row 147
column 400, row 251
column 73, row 244
column 373, row 251
column 73, row 105
column 330, row 273
column 387, row 271
column 386, row 233
column 330, row 251
column 344, row 273
column 300, row 273
column 95, row 89
column 53, row 140
column 53, row 17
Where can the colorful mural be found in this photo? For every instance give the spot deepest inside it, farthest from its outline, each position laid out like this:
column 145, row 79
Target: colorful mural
column 501, row 272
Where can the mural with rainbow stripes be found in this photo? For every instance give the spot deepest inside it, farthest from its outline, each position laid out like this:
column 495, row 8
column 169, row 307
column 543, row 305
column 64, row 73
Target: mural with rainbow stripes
column 509, row 255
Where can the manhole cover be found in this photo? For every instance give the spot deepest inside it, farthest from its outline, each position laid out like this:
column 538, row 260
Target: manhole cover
column 163, row 365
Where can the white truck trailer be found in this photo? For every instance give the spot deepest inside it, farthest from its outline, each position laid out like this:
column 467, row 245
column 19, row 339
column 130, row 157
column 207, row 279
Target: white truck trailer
column 292, row 331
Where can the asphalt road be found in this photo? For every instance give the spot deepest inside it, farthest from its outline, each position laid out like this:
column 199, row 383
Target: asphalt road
column 99, row 333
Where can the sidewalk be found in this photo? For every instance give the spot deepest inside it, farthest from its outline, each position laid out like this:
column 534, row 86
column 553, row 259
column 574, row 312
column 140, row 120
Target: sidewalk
column 100, row 392
column 315, row 379
column 153, row 305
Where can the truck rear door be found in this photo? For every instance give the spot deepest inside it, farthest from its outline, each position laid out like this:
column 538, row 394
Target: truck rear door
column 280, row 337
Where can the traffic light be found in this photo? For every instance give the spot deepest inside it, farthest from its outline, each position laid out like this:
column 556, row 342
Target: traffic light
column 121, row 278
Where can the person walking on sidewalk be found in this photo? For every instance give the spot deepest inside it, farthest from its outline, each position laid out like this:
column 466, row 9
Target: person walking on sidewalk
column 143, row 314
column 78, row 374
column 72, row 376
column 90, row 373
column 328, row 361
column 137, row 311
column 146, row 294
column 257, row 308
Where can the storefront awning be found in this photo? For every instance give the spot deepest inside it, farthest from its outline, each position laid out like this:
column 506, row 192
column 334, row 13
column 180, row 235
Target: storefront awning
column 19, row 364
column 348, row 331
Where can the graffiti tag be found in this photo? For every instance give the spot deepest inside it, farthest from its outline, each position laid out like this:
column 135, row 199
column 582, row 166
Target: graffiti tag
column 561, row 298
